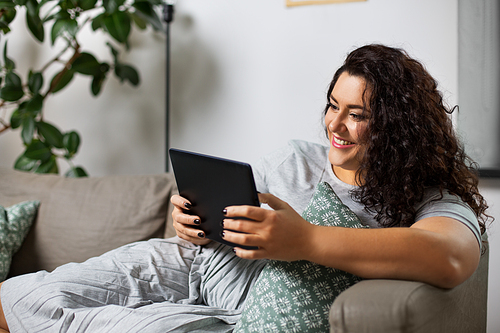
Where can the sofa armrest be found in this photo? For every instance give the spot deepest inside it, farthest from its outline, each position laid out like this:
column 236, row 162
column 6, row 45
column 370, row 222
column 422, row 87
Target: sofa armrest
column 385, row 306
column 404, row 306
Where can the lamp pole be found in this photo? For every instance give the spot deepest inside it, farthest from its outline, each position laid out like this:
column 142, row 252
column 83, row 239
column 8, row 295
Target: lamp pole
column 168, row 17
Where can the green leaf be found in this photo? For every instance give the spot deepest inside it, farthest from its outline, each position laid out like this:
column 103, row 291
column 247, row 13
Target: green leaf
column 118, row 25
column 146, row 11
column 114, row 52
column 12, row 79
column 60, row 15
column 139, row 22
column 13, row 89
column 87, row 4
column 28, row 130
column 9, row 64
column 71, row 141
column 35, row 24
column 20, row 2
column 35, row 82
column 11, row 94
column 86, row 64
column 4, row 4
column 76, row 172
column 64, row 80
column 43, row 2
column 37, row 150
column 126, row 72
column 104, row 67
column 51, row 134
column 63, row 26
column 16, row 119
column 4, row 27
column 153, row 2
column 24, row 163
column 98, row 22
column 35, row 104
column 112, row 6
column 67, row 4
column 96, row 84
column 8, row 15
column 49, row 166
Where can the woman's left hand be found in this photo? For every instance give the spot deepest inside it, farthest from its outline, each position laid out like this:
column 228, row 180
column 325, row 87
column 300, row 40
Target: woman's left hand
column 280, row 233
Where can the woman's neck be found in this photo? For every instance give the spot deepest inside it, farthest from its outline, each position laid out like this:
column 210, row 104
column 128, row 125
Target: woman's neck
column 346, row 176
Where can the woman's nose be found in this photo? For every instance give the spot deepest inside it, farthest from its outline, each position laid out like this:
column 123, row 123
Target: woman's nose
column 337, row 124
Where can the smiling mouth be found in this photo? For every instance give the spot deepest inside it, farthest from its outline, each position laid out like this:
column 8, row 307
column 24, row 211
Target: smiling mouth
column 341, row 142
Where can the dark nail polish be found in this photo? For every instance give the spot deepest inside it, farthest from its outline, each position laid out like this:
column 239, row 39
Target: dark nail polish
column 222, row 234
column 201, row 235
column 187, row 205
column 224, row 211
column 222, row 224
column 197, row 221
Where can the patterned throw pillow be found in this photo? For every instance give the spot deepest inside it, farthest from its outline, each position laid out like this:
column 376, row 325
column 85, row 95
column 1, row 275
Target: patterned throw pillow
column 15, row 222
column 296, row 296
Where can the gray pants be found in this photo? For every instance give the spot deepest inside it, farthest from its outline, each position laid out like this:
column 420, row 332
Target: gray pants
column 156, row 286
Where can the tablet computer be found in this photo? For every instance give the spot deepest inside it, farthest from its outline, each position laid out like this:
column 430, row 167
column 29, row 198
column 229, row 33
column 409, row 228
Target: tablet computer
column 211, row 184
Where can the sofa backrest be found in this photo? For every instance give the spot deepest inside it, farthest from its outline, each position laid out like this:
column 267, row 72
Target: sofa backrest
column 79, row 218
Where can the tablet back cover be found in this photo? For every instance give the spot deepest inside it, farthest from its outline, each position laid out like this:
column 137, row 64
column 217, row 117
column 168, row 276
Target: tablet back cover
column 211, row 184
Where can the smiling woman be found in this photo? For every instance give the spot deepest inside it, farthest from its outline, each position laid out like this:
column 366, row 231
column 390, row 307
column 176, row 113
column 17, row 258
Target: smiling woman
column 393, row 165
column 346, row 122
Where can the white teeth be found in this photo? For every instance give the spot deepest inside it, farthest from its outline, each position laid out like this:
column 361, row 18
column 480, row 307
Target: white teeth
column 342, row 142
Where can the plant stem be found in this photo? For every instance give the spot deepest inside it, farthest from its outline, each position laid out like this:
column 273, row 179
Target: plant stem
column 56, row 58
column 66, row 68
column 5, row 125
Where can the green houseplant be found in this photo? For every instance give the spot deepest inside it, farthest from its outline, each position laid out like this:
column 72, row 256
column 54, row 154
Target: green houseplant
column 22, row 100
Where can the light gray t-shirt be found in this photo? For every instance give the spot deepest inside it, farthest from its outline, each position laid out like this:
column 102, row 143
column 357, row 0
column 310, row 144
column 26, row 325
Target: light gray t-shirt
column 293, row 172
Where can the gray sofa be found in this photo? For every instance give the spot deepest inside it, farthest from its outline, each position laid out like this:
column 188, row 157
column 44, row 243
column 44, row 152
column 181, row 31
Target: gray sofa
column 82, row 218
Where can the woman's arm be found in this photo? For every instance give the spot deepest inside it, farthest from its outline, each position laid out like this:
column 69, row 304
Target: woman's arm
column 438, row 250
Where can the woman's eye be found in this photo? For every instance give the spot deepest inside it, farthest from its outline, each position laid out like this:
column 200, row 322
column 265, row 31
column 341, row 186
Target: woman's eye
column 358, row 117
column 333, row 107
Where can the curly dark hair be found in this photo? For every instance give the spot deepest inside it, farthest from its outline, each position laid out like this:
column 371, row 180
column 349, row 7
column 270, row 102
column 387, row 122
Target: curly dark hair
column 410, row 141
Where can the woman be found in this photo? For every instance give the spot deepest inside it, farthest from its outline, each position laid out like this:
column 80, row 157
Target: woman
column 392, row 140
column 393, row 159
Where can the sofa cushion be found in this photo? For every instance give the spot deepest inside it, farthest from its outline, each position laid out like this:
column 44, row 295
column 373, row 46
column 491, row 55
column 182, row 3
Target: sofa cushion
column 79, row 218
column 15, row 222
column 296, row 296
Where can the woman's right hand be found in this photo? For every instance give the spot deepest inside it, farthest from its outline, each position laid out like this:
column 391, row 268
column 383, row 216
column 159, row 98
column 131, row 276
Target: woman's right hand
column 185, row 225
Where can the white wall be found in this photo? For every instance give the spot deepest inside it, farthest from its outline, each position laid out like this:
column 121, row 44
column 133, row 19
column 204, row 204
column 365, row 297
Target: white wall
column 247, row 76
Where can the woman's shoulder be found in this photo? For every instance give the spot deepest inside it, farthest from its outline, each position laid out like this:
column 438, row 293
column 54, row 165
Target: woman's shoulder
column 299, row 150
column 299, row 164
column 447, row 204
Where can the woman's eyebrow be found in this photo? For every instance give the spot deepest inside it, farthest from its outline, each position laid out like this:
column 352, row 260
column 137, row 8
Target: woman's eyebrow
column 350, row 106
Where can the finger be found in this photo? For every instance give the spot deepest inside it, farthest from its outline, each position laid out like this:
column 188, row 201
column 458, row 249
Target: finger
column 250, row 254
column 180, row 202
column 256, row 213
column 249, row 212
column 182, row 218
column 271, row 200
column 197, row 241
column 241, row 225
column 241, row 238
column 187, row 231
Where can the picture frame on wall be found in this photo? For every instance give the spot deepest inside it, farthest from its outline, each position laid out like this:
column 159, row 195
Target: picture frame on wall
column 291, row 3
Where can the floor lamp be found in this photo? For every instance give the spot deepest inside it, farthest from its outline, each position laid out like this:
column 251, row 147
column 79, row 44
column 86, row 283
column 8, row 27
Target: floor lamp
column 168, row 17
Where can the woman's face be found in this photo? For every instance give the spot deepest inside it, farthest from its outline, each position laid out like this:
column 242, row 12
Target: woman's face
column 345, row 123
